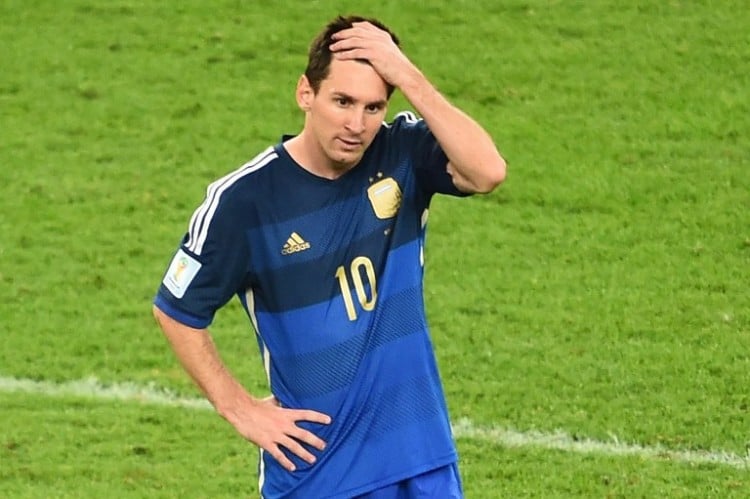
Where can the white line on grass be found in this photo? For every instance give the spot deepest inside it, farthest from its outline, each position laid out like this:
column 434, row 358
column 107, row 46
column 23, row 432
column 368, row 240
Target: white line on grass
column 463, row 428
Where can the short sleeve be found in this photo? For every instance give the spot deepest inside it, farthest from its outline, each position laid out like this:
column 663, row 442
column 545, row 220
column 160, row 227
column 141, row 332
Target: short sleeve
column 428, row 158
column 209, row 267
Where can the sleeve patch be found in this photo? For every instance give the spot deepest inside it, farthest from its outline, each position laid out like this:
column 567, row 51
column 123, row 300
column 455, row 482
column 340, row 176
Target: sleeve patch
column 180, row 274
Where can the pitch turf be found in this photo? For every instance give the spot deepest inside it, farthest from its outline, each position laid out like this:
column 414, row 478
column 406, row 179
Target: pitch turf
column 601, row 292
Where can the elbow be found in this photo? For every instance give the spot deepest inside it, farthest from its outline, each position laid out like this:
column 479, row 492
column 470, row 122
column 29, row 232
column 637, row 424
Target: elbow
column 157, row 313
column 160, row 317
column 494, row 176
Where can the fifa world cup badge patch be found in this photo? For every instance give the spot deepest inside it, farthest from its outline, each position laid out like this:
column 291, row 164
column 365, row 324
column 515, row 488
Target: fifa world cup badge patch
column 180, row 274
column 385, row 198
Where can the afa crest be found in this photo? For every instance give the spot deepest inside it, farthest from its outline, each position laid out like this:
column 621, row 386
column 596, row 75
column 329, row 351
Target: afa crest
column 385, row 198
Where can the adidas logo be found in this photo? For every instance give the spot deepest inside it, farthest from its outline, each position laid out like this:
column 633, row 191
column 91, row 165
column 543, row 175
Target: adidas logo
column 294, row 244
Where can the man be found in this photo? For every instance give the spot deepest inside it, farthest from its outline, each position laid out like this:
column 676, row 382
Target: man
column 321, row 238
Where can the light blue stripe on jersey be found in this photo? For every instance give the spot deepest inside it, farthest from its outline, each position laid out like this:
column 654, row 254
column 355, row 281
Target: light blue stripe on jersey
column 398, row 279
column 318, row 373
column 408, row 393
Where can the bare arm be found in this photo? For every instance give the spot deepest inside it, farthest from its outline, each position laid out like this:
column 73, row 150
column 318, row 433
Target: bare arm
column 474, row 162
column 260, row 421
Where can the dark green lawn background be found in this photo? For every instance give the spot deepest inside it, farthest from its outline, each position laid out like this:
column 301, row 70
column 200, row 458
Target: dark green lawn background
column 601, row 291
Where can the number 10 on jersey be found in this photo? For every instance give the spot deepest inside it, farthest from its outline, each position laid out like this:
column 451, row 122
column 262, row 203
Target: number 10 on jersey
column 360, row 266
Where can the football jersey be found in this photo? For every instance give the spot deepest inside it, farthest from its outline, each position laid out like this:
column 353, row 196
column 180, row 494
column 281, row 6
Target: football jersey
column 330, row 273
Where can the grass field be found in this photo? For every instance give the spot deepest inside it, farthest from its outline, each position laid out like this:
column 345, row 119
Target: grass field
column 591, row 317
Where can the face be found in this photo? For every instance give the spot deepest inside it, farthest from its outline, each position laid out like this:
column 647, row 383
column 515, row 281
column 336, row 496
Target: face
column 343, row 117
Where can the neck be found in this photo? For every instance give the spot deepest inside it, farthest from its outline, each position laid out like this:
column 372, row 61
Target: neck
column 310, row 156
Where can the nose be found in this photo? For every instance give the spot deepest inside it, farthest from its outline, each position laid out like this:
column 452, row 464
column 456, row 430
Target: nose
column 355, row 122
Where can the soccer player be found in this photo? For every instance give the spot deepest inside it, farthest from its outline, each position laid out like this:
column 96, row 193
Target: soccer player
column 321, row 237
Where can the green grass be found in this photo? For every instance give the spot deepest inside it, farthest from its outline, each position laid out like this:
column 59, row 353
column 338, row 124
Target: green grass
column 602, row 290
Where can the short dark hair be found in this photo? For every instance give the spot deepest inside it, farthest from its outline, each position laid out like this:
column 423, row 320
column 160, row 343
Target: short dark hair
column 319, row 55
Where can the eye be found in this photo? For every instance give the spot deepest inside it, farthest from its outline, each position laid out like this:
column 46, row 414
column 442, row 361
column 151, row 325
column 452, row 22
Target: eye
column 342, row 101
column 374, row 108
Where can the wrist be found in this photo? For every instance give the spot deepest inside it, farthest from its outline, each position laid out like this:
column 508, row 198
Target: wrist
column 235, row 406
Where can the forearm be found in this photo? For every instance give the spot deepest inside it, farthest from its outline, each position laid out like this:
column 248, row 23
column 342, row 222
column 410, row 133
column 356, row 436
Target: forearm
column 474, row 162
column 470, row 149
column 262, row 422
column 198, row 355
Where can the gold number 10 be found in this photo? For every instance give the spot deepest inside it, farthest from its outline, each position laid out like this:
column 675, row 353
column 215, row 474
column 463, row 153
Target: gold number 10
column 358, row 265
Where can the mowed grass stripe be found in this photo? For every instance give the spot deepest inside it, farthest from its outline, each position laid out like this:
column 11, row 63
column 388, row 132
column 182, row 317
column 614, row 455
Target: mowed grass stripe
column 463, row 428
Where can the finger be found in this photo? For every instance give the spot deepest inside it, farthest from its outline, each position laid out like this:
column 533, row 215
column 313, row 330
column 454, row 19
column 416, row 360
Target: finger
column 309, row 438
column 347, row 44
column 297, row 449
column 312, row 416
column 362, row 30
column 348, row 55
column 364, row 26
column 357, row 28
column 279, row 456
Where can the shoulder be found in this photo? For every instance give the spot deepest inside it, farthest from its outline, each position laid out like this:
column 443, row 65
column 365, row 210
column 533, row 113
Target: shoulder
column 227, row 199
column 404, row 121
column 405, row 128
column 407, row 133
column 233, row 183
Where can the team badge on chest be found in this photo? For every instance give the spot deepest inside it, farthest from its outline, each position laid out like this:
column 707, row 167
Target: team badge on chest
column 385, row 198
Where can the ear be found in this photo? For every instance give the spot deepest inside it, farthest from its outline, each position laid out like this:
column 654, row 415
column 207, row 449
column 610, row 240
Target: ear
column 304, row 93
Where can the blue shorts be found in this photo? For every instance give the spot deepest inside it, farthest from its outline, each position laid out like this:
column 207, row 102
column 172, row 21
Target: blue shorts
column 440, row 483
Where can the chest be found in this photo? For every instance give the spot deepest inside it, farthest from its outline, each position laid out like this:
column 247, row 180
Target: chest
column 313, row 222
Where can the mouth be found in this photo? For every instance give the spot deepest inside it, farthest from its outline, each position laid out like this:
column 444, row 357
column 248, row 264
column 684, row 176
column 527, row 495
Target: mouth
column 350, row 143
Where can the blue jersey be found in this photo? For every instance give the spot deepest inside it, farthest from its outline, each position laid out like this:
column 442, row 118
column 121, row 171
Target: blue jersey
column 330, row 273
